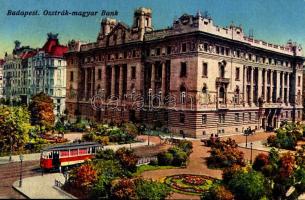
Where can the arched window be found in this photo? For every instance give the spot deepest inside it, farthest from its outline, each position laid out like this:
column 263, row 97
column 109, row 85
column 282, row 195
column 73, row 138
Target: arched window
column 222, row 71
column 204, row 89
column 204, row 96
column 182, row 94
column 221, row 95
column 236, row 95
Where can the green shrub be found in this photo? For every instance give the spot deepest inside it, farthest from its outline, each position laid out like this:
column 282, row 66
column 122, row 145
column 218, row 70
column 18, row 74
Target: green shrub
column 89, row 137
column 104, row 140
column 248, row 185
column 149, row 189
column 186, row 146
column 107, row 154
column 165, row 158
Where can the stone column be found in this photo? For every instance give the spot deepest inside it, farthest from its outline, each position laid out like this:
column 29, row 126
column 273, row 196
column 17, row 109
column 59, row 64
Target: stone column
column 153, row 76
column 282, row 83
column 163, row 87
column 121, row 83
column 103, row 81
column 92, row 81
column 112, row 80
column 277, row 84
column 251, row 85
column 259, row 83
column 288, row 88
column 244, row 84
column 271, row 86
column 86, row 80
column 265, row 85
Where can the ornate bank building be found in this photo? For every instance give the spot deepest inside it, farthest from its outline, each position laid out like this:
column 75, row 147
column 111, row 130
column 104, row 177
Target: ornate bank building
column 194, row 77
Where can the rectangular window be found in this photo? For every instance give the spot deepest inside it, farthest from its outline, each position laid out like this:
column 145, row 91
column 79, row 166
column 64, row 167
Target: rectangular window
column 133, row 72
column 237, row 117
column 237, row 73
column 183, row 69
column 222, row 51
column 238, row 53
column 184, row 47
column 182, row 118
column 169, row 50
column 205, row 69
column 99, row 74
column 249, row 116
column 204, row 119
column 158, row 51
column 250, row 56
column 227, row 51
column 221, row 118
column 71, row 76
column 134, row 53
column 217, row 49
column 205, row 46
column 125, row 54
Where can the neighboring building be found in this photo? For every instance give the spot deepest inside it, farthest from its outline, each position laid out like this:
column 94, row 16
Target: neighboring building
column 50, row 72
column 28, row 72
column 13, row 72
column 202, row 78
column 1, row 77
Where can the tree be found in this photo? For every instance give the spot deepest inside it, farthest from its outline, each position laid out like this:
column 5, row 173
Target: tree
column 225, row 154
column 41, row 108
column 285, row 172
column 149, row 189
column 248, row 185
column 124, row 189
column 127, row 159
column 107, row 171
column 84, row 177
column 14, row 127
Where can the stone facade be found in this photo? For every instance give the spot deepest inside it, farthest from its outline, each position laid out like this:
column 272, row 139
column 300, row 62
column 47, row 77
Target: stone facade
column 194, row 77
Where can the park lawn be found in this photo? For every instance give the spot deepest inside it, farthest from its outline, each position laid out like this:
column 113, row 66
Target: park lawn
column 143, row 168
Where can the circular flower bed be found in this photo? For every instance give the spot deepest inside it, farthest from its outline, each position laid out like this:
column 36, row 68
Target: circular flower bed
column 188, row 183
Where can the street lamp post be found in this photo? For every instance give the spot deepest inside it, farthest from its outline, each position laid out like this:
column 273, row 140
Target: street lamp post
column 251, row 153
column 246, row 140
column 20, row 179
column 11, row 148
column 148, row 134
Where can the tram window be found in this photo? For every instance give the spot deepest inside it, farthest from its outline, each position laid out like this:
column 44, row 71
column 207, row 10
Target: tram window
column 93, row 150
column 82, row 151
column 89, row 150
column 50, row 154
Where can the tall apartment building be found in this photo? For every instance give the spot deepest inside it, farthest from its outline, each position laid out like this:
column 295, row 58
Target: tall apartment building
column 13, row 70
column 194, row 77
column 50, row 72
column 29, row 71
column 1, row 77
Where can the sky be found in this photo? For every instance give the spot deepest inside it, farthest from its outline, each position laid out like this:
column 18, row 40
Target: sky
column 274, row 21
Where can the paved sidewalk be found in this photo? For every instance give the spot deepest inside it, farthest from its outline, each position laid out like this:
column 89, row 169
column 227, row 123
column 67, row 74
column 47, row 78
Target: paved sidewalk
column 15, row 158
column 42, row 187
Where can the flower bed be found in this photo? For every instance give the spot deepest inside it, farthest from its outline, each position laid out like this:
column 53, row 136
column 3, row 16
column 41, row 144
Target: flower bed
column 189, row 184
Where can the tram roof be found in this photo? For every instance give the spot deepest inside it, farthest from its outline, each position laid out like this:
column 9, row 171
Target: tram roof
column 72, row 146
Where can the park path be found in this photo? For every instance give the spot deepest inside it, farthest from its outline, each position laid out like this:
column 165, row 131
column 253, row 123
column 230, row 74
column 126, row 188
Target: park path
column 197, row 162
